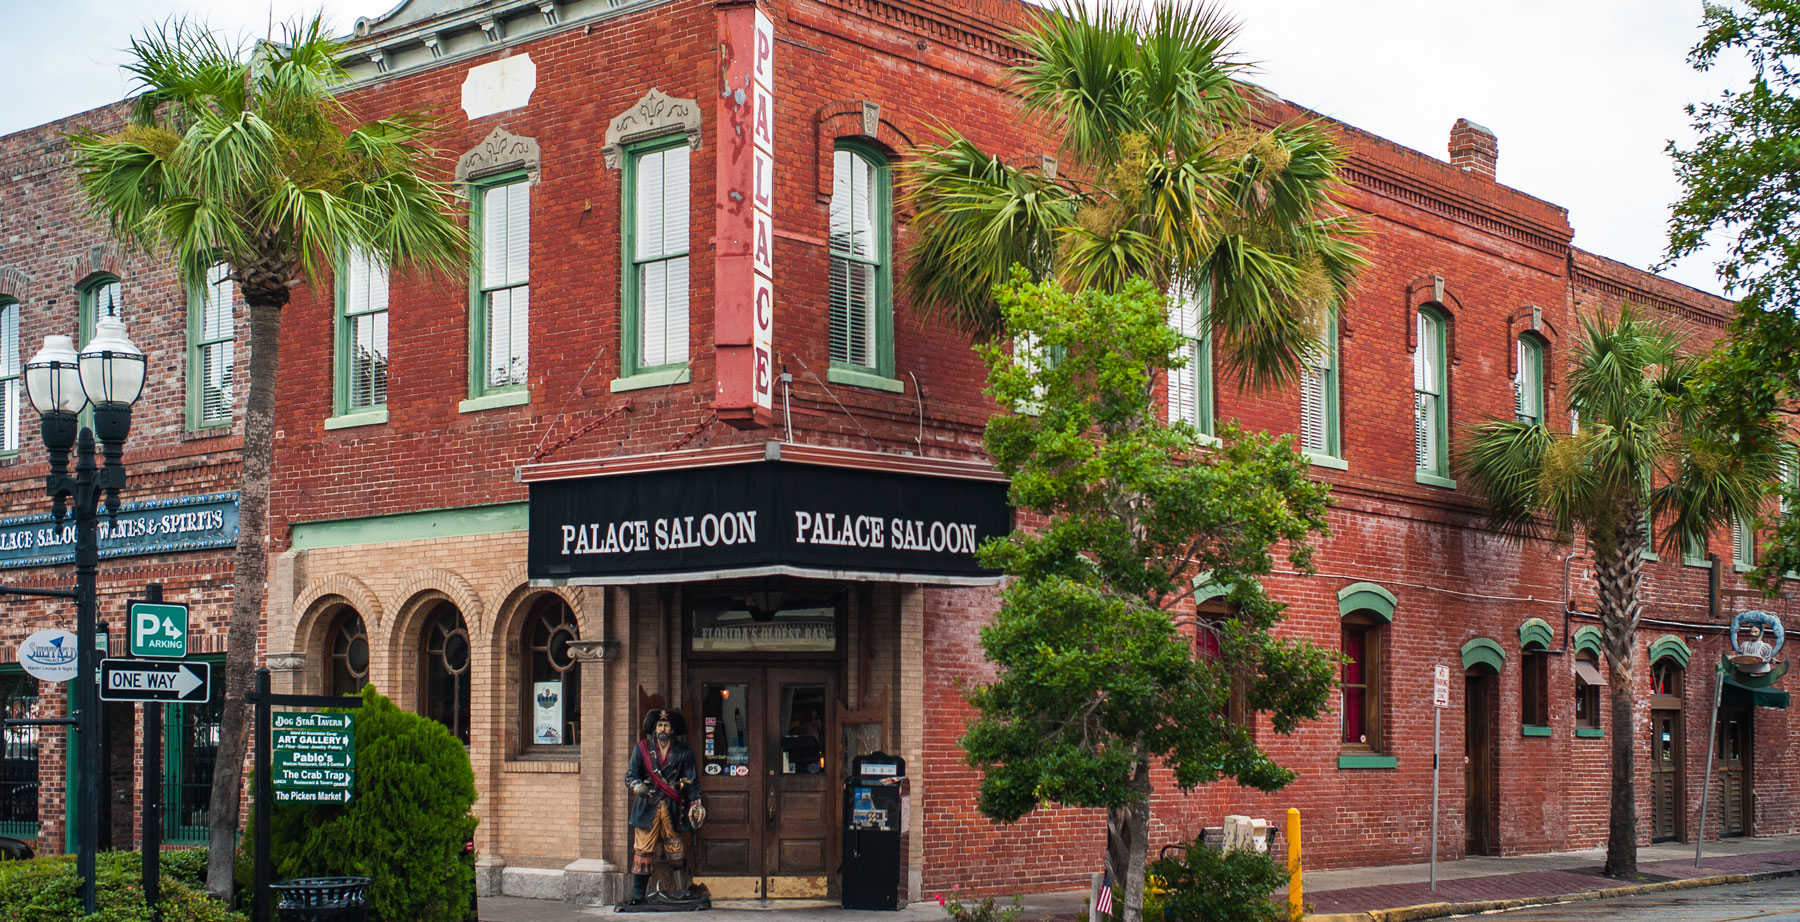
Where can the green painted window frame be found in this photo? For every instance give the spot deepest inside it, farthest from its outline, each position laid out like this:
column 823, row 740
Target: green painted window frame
column 176, row 832
column 1650, row 538
column 1528, row 379
column 850, row 372
column 23, row 829
column 1586, row 693
column 12, row 381
column 1743, row 544
column 631, row 316
column 90, row 297
column 198, row 344
column 1534, row 688
column 1331, row 454
column 1433, row 327
column 343, row 332
column 479, row 290
column 1693, row 552
column 1192, row 318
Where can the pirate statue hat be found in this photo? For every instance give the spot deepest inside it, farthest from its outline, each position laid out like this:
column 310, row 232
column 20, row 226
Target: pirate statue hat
column 677, row 725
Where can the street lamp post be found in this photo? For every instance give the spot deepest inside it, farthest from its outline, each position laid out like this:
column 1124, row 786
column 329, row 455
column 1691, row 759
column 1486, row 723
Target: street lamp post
column 109, row 373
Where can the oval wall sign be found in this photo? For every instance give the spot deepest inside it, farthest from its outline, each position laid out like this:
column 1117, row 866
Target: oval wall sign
column 49, row 655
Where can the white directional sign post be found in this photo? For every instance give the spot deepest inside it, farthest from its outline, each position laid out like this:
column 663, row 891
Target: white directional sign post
column 155, row 680
column 1440, row 699
column 158, row 629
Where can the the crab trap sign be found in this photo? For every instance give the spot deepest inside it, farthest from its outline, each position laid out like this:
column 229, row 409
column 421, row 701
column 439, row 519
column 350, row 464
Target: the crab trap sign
column 314, row 757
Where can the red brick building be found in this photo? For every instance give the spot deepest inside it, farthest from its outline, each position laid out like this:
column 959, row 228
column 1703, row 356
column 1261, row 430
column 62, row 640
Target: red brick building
column 677, row 440
column 58, row 273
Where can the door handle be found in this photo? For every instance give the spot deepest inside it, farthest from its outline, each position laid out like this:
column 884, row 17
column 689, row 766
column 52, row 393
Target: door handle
column 771, row 801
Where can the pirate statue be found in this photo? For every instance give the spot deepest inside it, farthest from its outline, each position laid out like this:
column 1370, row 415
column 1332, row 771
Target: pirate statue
column 665, row 804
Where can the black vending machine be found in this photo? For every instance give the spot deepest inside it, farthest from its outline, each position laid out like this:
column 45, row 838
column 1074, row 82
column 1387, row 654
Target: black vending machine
column 872, row 831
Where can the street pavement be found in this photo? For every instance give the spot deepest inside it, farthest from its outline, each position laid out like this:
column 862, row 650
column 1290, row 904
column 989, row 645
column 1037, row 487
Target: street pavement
column 1771, row 900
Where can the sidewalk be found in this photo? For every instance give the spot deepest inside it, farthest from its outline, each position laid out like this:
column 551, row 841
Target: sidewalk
column 1394, row 893
column 1400, row 892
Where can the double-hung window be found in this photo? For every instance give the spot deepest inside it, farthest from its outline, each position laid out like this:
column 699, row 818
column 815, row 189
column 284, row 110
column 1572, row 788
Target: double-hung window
column 862, row 319
column 11, row 387
column 502, row 322
column 656, row 260
column 1694, row 551
column 361, row 379
column 1360, row 683
column 1431, row 402
column 1319, row 399
column 1528, row 382
column 212, row 331
column 1743, row 543
column 101, row 298
column 1190, row 386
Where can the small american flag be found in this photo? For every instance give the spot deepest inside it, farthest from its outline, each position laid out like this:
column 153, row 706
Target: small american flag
column 1104, row 904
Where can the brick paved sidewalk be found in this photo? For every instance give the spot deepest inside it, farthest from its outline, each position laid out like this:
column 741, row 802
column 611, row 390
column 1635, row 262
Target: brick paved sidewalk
column 1541, row 883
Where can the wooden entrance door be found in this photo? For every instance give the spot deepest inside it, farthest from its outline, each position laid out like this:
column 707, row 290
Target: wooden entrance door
column 768, row 768
column 1480, row 755
column 1667, row 744
column 1735, row 771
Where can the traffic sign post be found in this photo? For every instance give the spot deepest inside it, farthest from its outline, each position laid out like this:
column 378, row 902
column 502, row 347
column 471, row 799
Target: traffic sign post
column 155, row 680
column 1440, row 699
column 158, row 629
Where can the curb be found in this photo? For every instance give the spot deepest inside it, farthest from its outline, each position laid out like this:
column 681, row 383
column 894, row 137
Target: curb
column 1440, row 910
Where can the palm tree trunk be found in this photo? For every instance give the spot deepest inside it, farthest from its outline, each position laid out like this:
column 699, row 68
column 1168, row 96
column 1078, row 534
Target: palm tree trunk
column 249, row 580
column 1618, row 570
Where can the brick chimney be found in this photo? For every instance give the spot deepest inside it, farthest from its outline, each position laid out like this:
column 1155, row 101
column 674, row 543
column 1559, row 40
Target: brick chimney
column 1473, row 149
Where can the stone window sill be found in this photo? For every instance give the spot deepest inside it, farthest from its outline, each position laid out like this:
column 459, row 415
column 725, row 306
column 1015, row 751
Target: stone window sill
column 1589, row 733
column 1319, row 460
column 863, row 377
column 495, row 401
column 1529, row 730
column 661, row 378
column 359, row 418
column 1435, row 480
column 1367, row 760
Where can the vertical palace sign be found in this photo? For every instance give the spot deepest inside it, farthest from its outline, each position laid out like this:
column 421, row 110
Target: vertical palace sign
column 744, row 305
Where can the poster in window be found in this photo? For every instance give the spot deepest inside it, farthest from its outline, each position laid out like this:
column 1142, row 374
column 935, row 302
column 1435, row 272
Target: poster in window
column 547, row 711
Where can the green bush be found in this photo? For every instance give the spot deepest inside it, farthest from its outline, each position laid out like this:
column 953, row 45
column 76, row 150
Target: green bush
column 404, row 827
column 47, row 890
column 1209, row 885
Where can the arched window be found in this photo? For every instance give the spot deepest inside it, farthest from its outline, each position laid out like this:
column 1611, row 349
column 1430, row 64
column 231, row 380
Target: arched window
column 1534, row 687
column 444, row 688
column 11, row 388
column 862, row 320
column 102, row 297
column 1361, row 681
column 1431, row 412
column 1528, row 380
column 552, row 706
column 1667, row 677
column 1588, row 682
column 346, row 654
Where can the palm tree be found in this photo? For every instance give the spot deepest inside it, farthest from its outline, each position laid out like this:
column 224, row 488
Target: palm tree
column 1170, row 177
column 246, row 157
column 1643, row 451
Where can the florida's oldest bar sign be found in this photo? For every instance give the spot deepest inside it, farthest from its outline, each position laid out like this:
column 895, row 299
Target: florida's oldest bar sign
column 764, row 517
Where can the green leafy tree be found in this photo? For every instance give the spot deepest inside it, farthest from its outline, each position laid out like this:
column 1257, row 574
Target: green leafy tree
column 1646, row 450
column 1094, row 646
column 244, row 156
column 1741, row 184
column 1166, row 176
column 406, row 823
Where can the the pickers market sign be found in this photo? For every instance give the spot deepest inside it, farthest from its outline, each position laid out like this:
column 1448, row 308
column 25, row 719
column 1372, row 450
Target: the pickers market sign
column 767, row 516
column 155, row 526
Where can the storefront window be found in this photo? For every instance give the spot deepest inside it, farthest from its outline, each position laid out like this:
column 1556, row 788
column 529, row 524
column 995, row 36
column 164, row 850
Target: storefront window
column 446, row 668
column 725, row 730
column 803, row 740
column 347, row 662
column 553, row 711
column 193, row 746
column 790, row 630
column 19, row 759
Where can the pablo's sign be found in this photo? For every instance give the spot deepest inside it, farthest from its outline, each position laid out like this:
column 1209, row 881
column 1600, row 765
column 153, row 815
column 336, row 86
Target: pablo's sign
column 154, row 526
column 764, row 516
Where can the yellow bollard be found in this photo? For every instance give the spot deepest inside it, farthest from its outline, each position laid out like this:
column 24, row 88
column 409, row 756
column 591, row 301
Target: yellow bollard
column 1296, row 893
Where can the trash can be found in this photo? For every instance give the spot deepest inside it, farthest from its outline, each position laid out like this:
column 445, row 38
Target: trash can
column 323, row 899
column 872, row 831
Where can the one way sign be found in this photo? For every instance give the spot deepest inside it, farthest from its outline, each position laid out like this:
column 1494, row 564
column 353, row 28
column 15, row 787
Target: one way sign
column 151, row 680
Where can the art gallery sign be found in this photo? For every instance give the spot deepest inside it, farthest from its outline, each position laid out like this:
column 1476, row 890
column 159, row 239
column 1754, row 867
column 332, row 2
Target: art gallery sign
column 156, row 526
column 767, row 515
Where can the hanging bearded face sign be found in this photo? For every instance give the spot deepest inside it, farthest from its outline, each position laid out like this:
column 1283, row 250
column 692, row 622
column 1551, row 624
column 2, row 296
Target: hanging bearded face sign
column 1756, row 638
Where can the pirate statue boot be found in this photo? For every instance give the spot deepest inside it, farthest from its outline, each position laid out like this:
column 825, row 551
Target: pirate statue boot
column 678, row 876
column 639, row 882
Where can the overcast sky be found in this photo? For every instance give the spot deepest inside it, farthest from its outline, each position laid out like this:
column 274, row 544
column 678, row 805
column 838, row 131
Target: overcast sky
column 1582, row 95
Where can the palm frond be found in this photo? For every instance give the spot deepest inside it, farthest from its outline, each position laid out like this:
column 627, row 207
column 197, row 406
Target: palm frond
column 1505, row 462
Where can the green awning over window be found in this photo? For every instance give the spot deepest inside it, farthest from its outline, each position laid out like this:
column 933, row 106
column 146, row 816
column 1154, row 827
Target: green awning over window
column 1741, row 696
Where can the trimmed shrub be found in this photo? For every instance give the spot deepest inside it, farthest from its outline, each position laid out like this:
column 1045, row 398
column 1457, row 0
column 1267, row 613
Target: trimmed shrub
column 1209, row 885
column 48, row 890
column 404, row 827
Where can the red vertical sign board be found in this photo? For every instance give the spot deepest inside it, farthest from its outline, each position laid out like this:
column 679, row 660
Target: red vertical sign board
column 744, row 293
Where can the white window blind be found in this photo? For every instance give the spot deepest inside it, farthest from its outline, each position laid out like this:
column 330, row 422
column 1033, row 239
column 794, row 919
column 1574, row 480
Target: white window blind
column 1315, row 399
column 856, row 258
column 216, row 331
column 1528, row 382
column 1428, row 399
column 1743, row 542
column 108, row 301
column 660, row 256
column 365, row 332
column 505, row 283
column 1190, row 396
column 10, row 392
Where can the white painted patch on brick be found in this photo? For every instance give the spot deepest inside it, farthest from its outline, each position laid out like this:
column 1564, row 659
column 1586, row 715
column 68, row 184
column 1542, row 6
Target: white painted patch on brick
column 499, row 85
